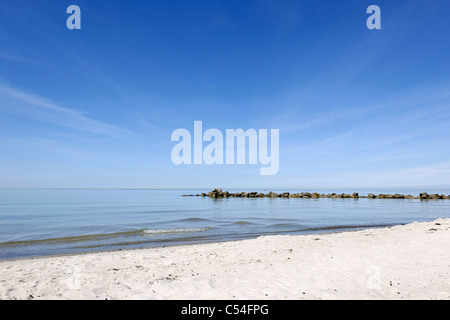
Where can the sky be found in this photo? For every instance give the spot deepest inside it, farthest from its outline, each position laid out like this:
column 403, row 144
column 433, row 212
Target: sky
column 96, row 107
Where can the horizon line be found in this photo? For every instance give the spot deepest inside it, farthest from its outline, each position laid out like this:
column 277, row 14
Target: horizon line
column 231, row 188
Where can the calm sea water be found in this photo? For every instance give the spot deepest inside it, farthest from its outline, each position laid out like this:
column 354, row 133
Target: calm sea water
column 37, row 222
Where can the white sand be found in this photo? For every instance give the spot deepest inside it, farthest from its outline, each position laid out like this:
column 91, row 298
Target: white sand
column 402, row 262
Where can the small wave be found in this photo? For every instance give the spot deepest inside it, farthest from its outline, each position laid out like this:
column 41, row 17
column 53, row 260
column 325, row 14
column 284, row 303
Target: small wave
column 284, row 225
column 242, row 222
column 348, row 227
column 193, row 219
column 180, row 230
column 96, row 237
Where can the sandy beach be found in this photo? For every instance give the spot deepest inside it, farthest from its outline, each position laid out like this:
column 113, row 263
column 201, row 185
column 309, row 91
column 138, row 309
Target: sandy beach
column 400, row 262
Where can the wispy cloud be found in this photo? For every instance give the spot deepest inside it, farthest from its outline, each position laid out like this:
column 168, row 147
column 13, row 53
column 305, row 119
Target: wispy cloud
column 42, row 109
column 15, row 58
column 430, row 175
column 43, row 146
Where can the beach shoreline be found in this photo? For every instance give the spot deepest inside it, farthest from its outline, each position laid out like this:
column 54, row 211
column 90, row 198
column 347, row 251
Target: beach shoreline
column 313, row 231
column 401, row 262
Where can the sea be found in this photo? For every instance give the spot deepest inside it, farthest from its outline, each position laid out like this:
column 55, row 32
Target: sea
column 44, row 222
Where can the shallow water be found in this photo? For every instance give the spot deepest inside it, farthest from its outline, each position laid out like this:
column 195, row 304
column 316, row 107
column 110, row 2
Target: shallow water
column 37, row 222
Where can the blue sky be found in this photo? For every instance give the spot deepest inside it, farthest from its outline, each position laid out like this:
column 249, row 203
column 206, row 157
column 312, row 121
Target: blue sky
column 95, row 107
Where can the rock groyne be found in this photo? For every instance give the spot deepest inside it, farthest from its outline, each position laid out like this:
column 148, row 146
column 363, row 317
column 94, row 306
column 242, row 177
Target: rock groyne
column 219, row 193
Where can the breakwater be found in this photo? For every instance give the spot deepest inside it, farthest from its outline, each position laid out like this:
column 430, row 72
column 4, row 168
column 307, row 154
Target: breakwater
column 219, row 193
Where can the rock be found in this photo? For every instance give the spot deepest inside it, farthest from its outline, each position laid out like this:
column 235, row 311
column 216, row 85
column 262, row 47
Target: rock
column 216, row 193
column 356, row 195
column 399, row 196
column 424, row 196
column 371, row 196
column 385, row 196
